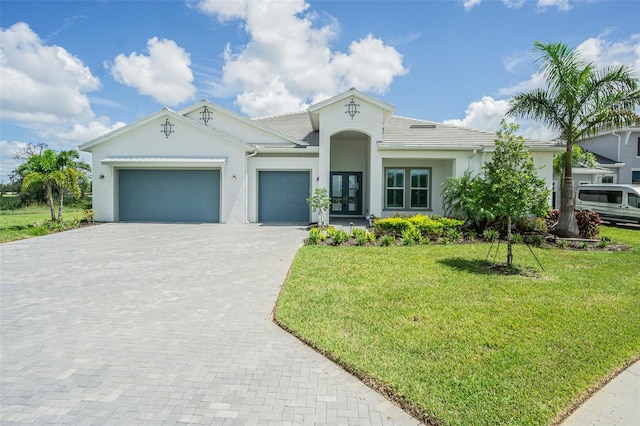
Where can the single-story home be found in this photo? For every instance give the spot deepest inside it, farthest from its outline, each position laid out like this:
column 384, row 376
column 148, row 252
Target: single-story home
column 209, row 164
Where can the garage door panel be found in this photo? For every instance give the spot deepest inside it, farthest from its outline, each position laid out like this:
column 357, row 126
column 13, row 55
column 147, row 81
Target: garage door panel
column 282, row 196
column 169, row 195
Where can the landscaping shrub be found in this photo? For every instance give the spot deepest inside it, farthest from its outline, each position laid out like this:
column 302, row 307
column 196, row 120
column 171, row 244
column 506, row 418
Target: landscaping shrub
column 10, row 203
column 387, row 240
column 331, row 231
column 451, row 235
column 392, row 226
column 535, row 225
column 316, row 235
column 412, row 236
column 363, row 236
column 490, row 234
column 339, row 237
column 428, row 227
column 552, row 218
column 535, row 240
column 588, row 223
column 451, row 228
column 517, row 239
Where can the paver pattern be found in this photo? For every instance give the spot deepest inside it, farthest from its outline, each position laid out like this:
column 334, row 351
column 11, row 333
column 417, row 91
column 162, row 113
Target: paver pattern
column 164, row 324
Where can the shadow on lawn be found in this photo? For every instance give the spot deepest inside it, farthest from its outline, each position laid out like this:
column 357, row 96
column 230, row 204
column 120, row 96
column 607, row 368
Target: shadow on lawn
column 484, row 267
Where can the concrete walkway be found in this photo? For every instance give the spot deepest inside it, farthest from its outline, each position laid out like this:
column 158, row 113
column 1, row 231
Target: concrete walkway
column 164, row 324
column 616, row 404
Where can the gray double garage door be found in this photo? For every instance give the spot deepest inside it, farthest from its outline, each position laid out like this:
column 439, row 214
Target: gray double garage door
column 194, row 196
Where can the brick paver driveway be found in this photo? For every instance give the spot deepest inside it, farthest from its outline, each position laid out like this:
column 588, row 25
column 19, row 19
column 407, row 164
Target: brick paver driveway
column 163, row 324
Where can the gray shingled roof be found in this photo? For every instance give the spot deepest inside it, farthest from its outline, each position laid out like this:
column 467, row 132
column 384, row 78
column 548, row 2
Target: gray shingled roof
column 398, row 131
column 605, row 161
column 297, row 125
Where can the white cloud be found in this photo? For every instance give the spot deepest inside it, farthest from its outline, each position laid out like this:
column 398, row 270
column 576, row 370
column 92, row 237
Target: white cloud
column 284, row 67
column 42, row 83
column 601, row 52
column 80, row 133
column 8, row 149
column 487, row 113
column 514, row 4
column 469, row 4
column 484, row 114
column 606, row 53
column 165, row 74
column 562, row 5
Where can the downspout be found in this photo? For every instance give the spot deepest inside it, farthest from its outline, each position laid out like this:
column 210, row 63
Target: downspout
column 473, row 154
column 246, row 183
column 613, row 132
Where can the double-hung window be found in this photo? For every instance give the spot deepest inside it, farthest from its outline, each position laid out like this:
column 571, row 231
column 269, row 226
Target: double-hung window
column 407, row 188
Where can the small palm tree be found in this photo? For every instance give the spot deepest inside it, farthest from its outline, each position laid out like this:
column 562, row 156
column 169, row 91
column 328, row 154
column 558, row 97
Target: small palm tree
column 579, row 101
column 56, row 173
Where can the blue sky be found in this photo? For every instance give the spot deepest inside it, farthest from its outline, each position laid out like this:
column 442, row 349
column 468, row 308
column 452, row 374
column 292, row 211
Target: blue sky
column 71, row 71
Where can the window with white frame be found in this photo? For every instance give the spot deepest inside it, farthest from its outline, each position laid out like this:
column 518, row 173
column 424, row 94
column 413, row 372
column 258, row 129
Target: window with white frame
column 607, row 179
column 407, row 188
column 635, row 176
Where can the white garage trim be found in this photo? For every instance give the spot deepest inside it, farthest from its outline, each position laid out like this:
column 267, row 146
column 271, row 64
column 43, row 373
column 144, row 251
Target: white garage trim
column 183, row 162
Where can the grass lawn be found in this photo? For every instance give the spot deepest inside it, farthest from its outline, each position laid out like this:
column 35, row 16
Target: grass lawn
column 456, row 344
column 19, row 224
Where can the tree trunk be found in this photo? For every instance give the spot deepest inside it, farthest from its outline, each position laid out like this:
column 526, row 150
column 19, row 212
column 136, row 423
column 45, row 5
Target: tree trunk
column 509, row 250
column 60, row 207
column 50, row 201
column 567, row 224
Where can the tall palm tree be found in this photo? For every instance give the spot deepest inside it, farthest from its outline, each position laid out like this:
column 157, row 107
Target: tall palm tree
column 579, row 101
column 57, row 173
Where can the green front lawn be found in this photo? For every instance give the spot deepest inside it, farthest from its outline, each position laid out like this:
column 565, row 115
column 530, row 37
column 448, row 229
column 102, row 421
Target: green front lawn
column 458, row 344
column 20, row 224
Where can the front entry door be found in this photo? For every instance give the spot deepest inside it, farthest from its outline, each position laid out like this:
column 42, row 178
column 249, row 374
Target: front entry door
column 346, row 193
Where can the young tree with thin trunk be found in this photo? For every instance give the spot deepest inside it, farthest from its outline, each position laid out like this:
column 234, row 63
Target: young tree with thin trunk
column 512, row 188
column 579, row 101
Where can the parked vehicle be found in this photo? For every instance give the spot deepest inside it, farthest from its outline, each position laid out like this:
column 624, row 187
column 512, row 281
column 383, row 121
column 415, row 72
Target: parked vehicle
column 616, row 202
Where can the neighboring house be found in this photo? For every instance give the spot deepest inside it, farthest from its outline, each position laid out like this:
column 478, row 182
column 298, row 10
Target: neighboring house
column 208, row 164
column 583, row 175
column 618, row 150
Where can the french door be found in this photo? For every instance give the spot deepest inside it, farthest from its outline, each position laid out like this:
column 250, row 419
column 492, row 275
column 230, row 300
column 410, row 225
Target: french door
column 346, row 193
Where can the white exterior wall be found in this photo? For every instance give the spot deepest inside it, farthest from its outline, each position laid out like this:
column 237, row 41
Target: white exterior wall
column 288, row 163
column 187, row 141
column 369, row 120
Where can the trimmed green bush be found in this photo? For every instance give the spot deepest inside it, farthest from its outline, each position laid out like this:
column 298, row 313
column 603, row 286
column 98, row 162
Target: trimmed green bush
column 392, row 226
column 428, row 227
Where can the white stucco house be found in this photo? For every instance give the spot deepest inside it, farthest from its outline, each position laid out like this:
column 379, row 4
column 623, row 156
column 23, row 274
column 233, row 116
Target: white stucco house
column 209, row 164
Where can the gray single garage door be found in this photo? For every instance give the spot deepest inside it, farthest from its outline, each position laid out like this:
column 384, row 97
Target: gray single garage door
column 169, row 195
column 282, row 196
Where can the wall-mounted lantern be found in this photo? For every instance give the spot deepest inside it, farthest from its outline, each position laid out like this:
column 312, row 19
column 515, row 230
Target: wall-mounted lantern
column 352, row 108
column 205, row 115
column 167, row 128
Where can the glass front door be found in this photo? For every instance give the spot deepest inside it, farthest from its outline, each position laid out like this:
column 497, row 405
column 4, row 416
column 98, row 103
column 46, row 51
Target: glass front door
column 346, row 193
